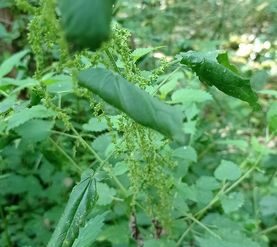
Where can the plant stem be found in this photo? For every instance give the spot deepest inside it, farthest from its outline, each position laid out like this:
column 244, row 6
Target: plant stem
column 66, row 155
column 185, row 234
column 85, row 144
column 268, row 230
column 203, row 226
column 110, row 56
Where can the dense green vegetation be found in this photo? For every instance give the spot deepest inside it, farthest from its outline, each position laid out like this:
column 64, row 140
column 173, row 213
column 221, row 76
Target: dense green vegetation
column 138, row 123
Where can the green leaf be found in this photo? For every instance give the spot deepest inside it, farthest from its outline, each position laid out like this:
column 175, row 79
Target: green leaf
column 136, row 103
column 140, row 52
column 59, row 84
column 232, row 202
column 259, row 80
column 185, row 153
column 7, row 103
column 241, row 144
column 17, row 184
column 101, row 144
column 159, row 243
column 19, row 84
column 215, row 70
column 35, row 112
column 207, row 183
column 228, row 239
column 90, row 231
column 116, row 234
column 268, row 205
column 7, row 66
column 105, row 194
column 96, row 125
column 190, row 96
column 227, row 170
column 120, row 168
column 271, row 117
column 269, row 92
column 86, row 23
column 170, row 85
column 35, row 130
column 80, row 202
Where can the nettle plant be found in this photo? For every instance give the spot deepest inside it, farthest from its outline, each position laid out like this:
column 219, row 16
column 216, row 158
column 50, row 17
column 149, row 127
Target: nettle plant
column 128, row 132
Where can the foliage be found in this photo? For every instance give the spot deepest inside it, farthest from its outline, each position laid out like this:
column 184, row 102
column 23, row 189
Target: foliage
column 114, row 117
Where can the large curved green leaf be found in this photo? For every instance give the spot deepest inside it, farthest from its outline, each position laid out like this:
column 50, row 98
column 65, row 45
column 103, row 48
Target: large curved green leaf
column 215, row 70
column 74, row 216
column 86, row 22
column 135, row 102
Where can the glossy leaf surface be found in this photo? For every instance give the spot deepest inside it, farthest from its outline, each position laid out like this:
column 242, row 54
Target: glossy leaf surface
column 215, row 70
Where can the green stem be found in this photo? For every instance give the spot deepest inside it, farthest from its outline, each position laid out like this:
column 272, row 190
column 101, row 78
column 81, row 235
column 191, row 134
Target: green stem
column 179, row 242
column 110, row 56
column 268, row 230
column 203, row 226
column 66, row 155
column 85, row 144
column 165, row 80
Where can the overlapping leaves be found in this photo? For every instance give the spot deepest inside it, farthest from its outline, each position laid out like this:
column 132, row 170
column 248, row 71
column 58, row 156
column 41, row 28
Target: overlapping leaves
column 136, row 103
column 74, row 217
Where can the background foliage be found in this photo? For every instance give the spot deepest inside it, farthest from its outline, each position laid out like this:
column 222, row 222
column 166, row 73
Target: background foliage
column 218, row 190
